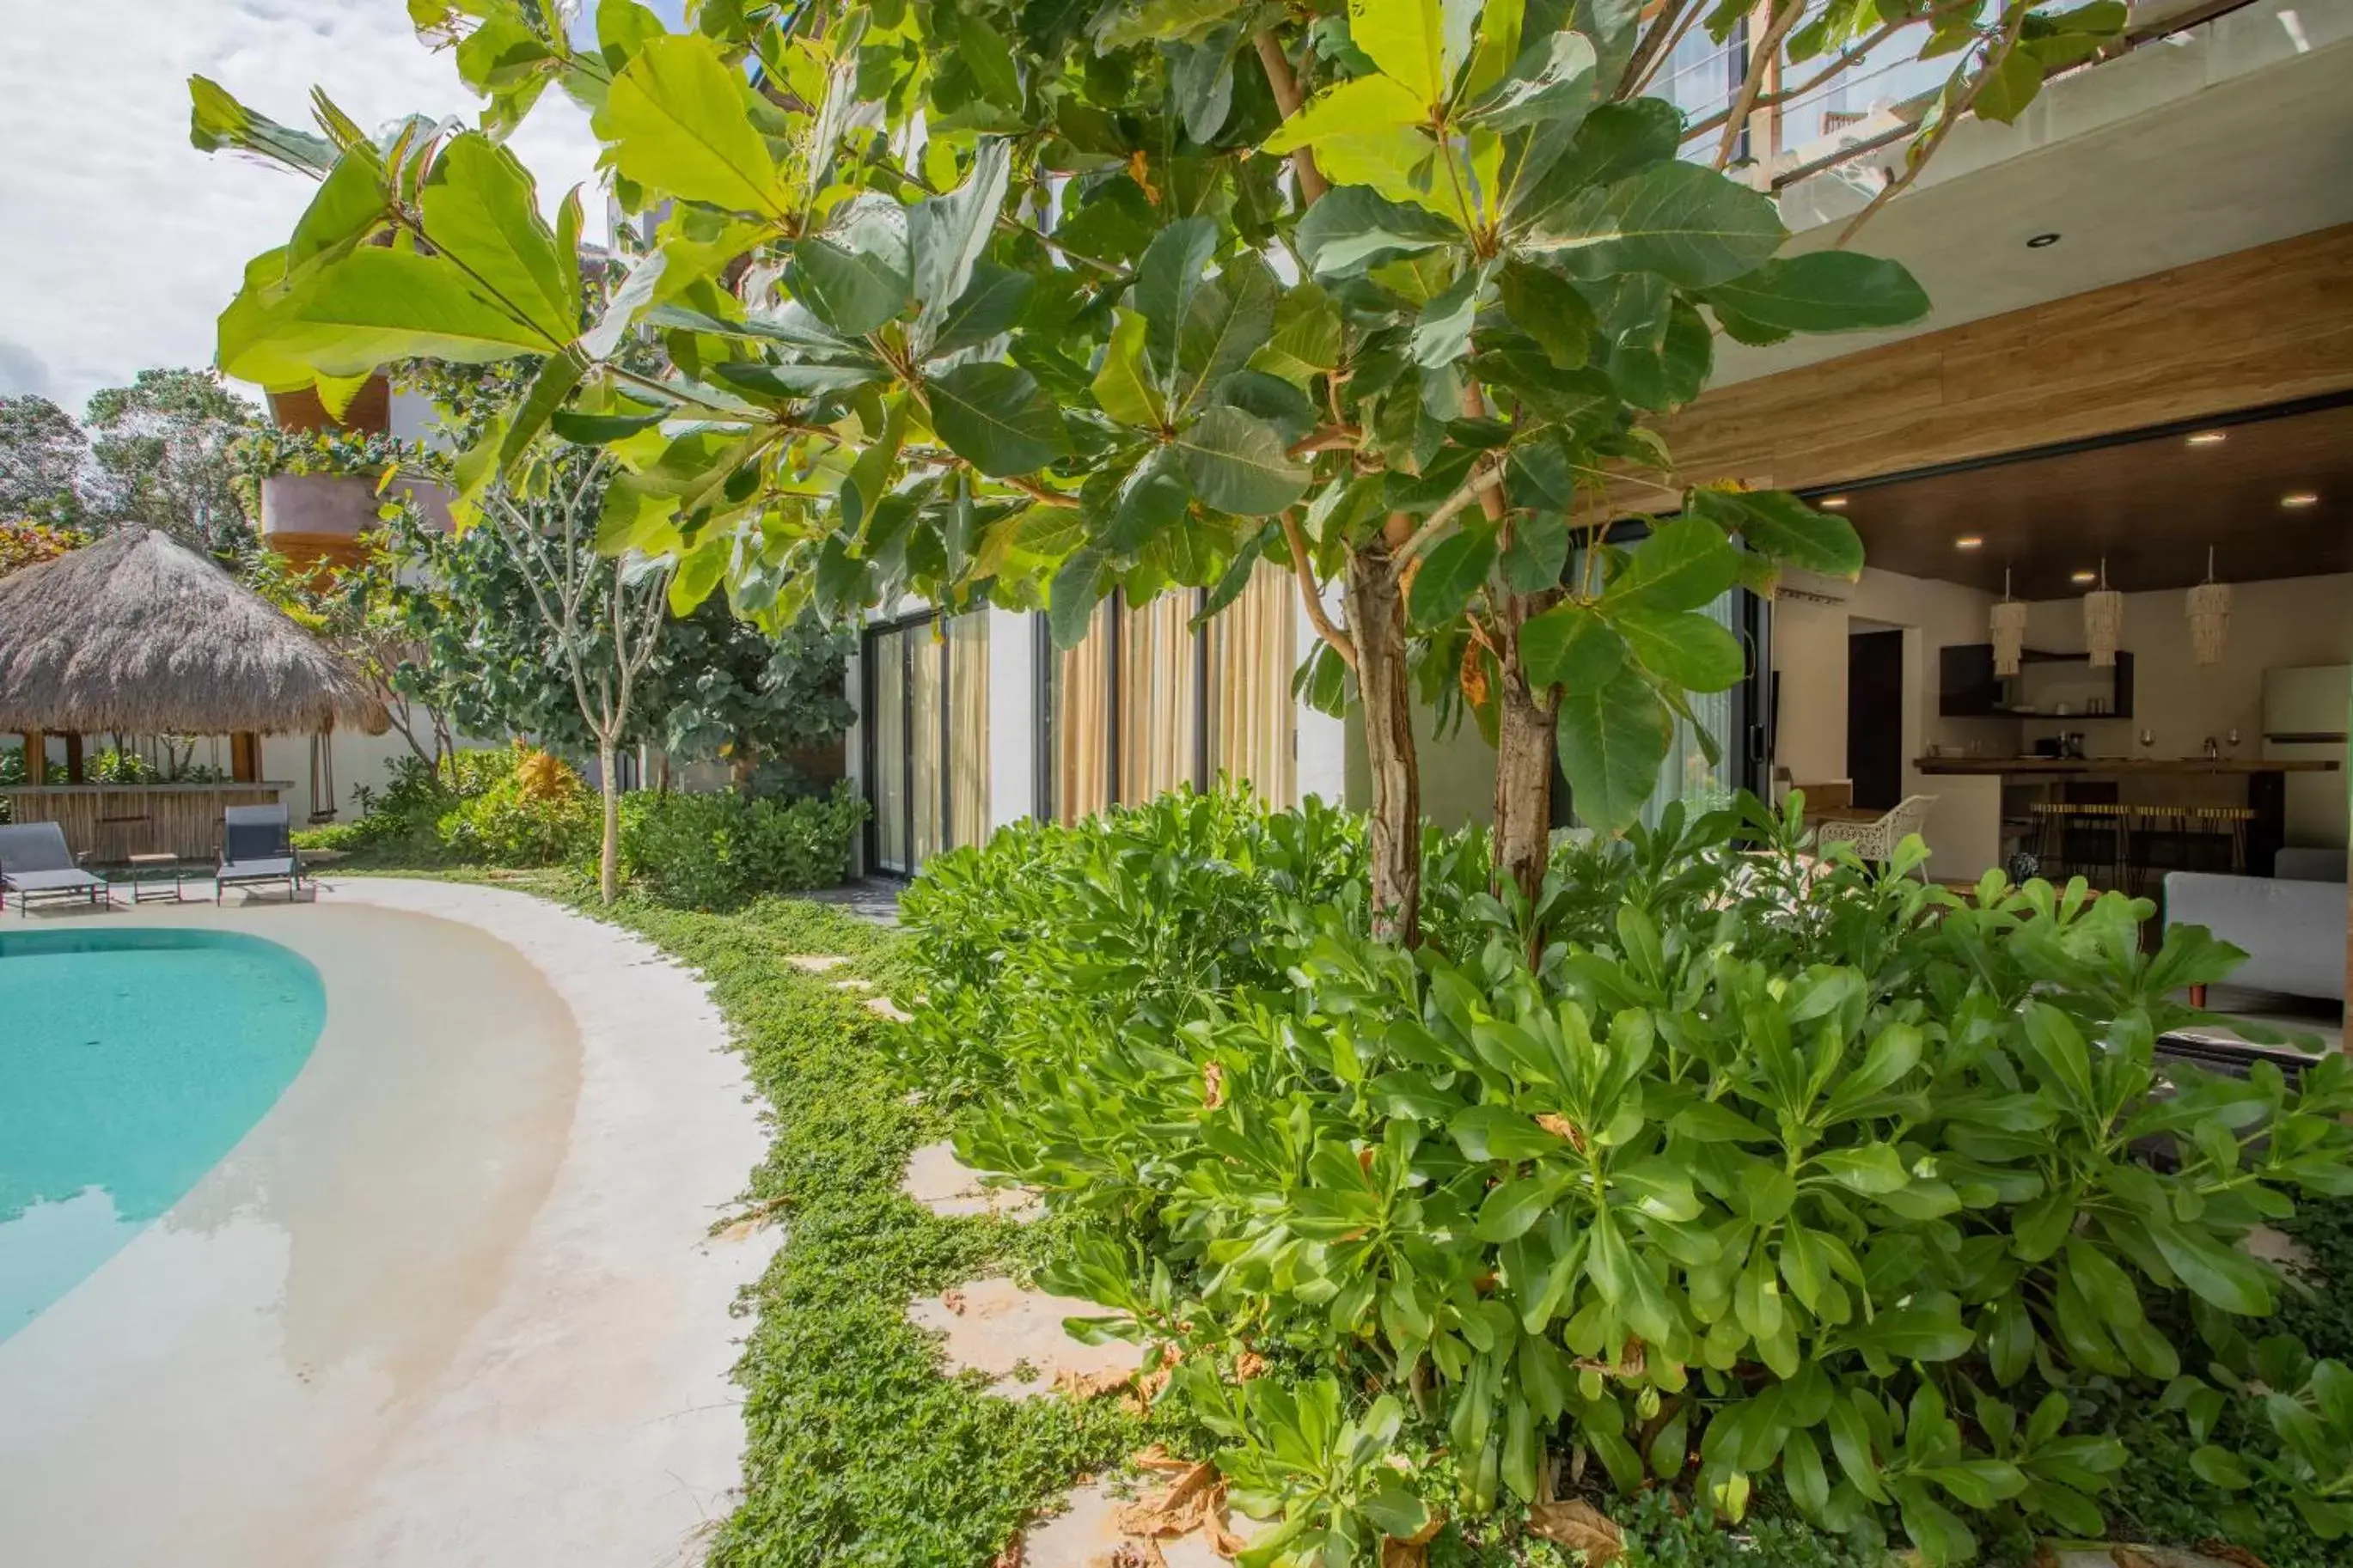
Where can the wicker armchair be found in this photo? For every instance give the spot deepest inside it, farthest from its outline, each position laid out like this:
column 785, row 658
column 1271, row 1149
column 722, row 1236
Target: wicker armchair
column 1877, row 839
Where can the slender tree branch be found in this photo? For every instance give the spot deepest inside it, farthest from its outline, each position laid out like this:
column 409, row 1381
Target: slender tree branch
column 1852, row 55
column 1916, row 158
column 1486, row 474
column 1040, row 494
column 1759, row 66
column 1658, row 45
column 1331, row 439
column 1339, row 640
column 1289, row 99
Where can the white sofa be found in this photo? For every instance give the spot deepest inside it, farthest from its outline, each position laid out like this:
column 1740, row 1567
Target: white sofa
column 2292, row 925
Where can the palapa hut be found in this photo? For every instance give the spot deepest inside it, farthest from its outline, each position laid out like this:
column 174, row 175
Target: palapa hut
column 139, row 635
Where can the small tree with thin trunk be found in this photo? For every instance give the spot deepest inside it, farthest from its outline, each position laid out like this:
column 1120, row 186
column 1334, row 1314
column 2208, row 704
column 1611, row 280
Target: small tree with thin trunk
column 603, row 615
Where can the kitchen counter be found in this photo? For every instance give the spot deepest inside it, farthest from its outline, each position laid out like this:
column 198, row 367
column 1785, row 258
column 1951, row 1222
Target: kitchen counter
column 2117, row 767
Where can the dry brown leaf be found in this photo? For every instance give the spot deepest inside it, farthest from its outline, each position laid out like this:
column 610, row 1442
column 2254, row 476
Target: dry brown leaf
column 1213, row 1085
column 1219, row 1527
column 1396, row 1553
column 1248, row 1365
column 2126, row 1557
column 1015, row 1550
column 1137, row 1554
column 1560, row 1126
column 2228, row 1551
column 1473, row 675
column 1580, row 1527
column 1427, row 1533
column 2044, row 1557
column 1179, row 1507
column 1157, row 1457
column 1085, row 1385
column 952, row 1300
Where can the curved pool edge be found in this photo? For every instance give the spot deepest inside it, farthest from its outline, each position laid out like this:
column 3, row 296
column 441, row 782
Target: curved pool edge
column 586, row 1412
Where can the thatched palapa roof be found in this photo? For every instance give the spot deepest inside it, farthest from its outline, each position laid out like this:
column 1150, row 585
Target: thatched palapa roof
column 139, row 635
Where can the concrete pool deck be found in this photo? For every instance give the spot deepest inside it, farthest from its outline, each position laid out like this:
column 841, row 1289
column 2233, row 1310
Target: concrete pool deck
column 452, row 1300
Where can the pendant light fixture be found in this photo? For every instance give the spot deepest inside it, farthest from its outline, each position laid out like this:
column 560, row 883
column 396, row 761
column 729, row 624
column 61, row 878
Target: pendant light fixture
column 2209, row 616
column 2008, row 625
column 2104, row 620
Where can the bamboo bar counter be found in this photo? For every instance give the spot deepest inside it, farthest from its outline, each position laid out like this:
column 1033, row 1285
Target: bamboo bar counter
column 110, row 822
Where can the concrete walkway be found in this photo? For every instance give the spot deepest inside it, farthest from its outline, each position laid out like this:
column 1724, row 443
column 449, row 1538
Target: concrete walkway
column 451, row 1301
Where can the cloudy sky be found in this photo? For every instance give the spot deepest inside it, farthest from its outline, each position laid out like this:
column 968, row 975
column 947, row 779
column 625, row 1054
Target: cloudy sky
column 123, row 241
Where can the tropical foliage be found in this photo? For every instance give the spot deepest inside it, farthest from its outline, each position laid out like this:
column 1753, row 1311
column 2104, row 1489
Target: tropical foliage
column 159, row 452
column 720, row 851
column 1761, row 1169
column 1031, row 304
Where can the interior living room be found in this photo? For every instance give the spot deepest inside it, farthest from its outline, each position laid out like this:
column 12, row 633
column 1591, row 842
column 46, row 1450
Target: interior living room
column 2123, row 658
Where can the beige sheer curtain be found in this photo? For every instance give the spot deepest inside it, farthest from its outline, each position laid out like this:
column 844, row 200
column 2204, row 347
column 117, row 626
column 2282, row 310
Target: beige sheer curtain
column 924, row 740
column 1253, row 650
column 1160, row 693
column 1082, row 722
column 888, row 651
column 968, row 728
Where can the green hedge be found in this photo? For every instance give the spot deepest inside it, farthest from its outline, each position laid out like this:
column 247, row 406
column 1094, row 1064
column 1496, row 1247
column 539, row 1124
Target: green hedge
column 719, row 851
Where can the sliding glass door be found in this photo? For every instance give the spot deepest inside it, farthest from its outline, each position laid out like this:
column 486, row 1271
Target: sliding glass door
column 926, row 714
column 1147, row 702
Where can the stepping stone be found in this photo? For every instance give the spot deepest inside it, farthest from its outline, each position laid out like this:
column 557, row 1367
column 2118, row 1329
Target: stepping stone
column 815, row 962
column 995, row 1326
column 946, row 1185
column 1092, row 1529
column 853, row 983
column 2277, row 1246
column 883, row 1007
column 2121, row 1556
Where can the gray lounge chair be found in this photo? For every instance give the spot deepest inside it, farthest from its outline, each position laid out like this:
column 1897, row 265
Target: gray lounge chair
column 257, row 846
column 36, row 864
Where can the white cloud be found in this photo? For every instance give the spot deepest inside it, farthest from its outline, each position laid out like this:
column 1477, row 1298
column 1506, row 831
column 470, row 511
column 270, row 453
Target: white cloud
column 123, row 241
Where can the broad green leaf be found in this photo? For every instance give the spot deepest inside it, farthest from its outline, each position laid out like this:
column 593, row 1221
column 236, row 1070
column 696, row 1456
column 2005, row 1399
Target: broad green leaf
column 1613, row 736
column 558, row 375
column 1552, row 82
column 601, row 429
column 1306, row 340
column 852, row 292
column 1354, row 228
column 1495, row 1132
column 1776, row 523
column 1154, row 500
column 1226, row 322
column 1682, row 647
column 998, row 419
column 991, row 305
column 677, row 121
column 1690, row 225
column 1512, row 1209
column 1122, row 387
column 2013, row 83
column 1442, row 335
column 1825, row 291
column 1615, row 141
column 1238, row 464
column 1078, row 585
column 216, row 120
column 698, row 572
column 1550, row 310
column 1538, row 552
column 628, row 303
column 1935, row 1528
column 982, row 49
column 1452, row 570
column 1166, row 280
column 1685, row 564
column 481, row 213
column 1417, row 42
column 2221, row 1275
column 1867, row 1168
column 1570, row 645
column 947, row 236
column 350, row 205
column 378, row 305
column 1351, row 111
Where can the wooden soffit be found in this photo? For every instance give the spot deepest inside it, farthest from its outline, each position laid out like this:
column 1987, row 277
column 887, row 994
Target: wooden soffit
column 2252, row 327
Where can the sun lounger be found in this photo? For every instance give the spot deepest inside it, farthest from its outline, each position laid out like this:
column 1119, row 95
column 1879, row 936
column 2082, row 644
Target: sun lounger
column 36, row 864
column 257, row 846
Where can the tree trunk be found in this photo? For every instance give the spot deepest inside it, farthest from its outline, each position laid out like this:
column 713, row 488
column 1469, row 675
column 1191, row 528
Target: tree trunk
column 1377, row 626
column 609, row 854
column 1525, row 733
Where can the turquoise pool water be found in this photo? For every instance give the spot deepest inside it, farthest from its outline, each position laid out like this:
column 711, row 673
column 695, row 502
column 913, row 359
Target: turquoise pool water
column 131, row 1061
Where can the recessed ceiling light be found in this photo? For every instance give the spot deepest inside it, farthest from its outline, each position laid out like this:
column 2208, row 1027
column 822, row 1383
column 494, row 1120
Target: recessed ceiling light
column 2082, row 576
column 1969, row 542
column 2041, row 241
column 2210, row 439
column 2296, row 501
column 1833, row 501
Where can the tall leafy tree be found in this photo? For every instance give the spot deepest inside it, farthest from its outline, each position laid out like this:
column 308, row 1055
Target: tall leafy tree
column 161, row 454
column 1031, row 304
column 43, row 455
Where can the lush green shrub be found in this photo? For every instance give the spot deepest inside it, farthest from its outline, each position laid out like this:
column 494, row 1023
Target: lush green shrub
column 718, row 851
column 1718, row 1166
column 533, row 818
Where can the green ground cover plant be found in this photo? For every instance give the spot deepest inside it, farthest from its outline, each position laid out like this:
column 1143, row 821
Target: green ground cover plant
column 719, row 851
column 1709, row 1170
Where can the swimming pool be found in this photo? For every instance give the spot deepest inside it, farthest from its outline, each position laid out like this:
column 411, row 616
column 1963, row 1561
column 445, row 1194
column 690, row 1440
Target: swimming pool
column 131, row 1062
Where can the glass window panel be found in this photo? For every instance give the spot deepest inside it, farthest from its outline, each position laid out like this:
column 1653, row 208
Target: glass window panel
column 968, row 728
column 1159, row 698
column 924, row 740
column 1253, row 648
column 889, row 791
column 1686, row 774
column 1080, row 703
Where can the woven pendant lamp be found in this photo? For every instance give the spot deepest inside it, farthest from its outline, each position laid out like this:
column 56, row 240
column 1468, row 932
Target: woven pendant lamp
column 2008, row 625
column 2209, row 616
column 2104, row 620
